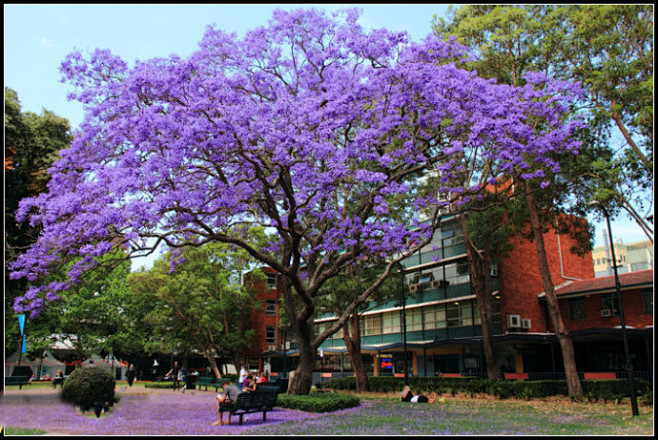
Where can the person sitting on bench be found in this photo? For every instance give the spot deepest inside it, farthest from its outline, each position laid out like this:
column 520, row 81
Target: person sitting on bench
column 225, row 401
column 58, row 379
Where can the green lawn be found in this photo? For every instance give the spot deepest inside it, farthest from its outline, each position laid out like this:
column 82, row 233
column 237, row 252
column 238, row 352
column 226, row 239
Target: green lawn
column 22, row 431
column 382, row 416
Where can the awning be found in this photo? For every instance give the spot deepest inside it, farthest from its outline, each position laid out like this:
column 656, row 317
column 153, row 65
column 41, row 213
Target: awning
column 509, row 338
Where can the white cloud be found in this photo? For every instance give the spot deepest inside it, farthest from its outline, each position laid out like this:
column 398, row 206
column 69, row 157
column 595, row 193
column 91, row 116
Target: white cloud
column 45, row 42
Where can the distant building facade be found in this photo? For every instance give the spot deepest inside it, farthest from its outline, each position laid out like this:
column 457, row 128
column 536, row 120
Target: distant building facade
column 631, row 257
column 443, row 329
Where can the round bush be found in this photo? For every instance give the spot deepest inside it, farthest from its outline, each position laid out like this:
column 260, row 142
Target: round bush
column 88, row 387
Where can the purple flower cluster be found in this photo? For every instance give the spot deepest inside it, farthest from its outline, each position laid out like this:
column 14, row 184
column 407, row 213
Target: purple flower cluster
column 310, row 126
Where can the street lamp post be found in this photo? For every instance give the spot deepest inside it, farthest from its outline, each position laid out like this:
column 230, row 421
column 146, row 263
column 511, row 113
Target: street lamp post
column 629, row 364
column 404, row 327
column 171, row 328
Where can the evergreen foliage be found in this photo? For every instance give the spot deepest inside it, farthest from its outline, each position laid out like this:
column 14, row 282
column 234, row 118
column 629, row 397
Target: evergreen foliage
column 88, row 387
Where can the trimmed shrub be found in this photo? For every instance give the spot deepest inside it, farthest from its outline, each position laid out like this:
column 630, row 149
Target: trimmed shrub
column 317, row 402
column 615, row 390
column 159, row 385
column 593, row 390
column 89, row 387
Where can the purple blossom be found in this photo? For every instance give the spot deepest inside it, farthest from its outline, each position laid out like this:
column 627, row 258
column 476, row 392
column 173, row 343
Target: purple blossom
column 310, row 125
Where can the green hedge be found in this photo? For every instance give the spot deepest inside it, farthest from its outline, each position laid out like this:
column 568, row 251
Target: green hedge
column 593, row 390
column 317, row 402
column 159, row 385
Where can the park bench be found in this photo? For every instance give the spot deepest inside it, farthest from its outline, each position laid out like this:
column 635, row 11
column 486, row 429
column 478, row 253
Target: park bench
column 261, row 400
column 207, row 381
column 16, row 380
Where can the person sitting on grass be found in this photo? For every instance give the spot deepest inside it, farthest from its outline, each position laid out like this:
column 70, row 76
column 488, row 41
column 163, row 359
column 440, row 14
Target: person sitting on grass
column 407, row 396
column 226, row 400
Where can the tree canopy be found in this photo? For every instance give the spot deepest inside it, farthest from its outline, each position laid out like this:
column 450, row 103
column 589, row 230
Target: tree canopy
column 609, row 49
column 287, row 127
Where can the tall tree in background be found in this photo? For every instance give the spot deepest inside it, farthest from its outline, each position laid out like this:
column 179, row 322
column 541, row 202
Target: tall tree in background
column 93, row 316
column 514, row 40
column 201, row 304
column 341, row 289
column 609, row 48
column 488, row 224
column 32, row 143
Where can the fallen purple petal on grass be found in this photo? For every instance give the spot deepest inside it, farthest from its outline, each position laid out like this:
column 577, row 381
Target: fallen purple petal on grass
column 135, row 414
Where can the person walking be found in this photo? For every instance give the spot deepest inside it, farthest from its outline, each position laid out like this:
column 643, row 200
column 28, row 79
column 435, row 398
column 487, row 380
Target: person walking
column 243, row 375
column 173, row 374
column 182, row 378
column 130, row 374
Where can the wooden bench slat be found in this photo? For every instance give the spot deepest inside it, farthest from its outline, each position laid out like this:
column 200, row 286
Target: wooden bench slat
column 261, row 400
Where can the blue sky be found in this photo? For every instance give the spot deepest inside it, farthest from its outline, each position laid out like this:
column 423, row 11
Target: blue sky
column 38, row 37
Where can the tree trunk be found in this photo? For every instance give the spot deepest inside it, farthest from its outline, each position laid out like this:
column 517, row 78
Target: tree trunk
column 302, row 325
column 302, row 379
column 210, row 355
column 353, row 344
column 566, row 344
column 630, row 141
column 480, row 266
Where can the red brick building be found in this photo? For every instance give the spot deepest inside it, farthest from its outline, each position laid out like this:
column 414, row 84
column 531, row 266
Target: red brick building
column 265, row 322
column 443, row 330
column 521, row 282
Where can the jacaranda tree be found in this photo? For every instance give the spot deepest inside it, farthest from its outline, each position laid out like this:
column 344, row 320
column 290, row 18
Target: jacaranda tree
column 310, row 127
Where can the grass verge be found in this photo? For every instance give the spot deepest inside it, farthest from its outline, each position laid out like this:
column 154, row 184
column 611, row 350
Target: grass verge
column 384, row 414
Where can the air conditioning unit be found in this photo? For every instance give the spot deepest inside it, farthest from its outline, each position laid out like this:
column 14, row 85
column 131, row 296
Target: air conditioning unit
column 414, row 287
column 494, row 272
column 514, row 321
column 525, row 323
column 606, row 313
column 271, row 347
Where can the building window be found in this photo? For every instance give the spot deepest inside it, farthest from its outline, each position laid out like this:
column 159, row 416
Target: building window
column 271, row 280
column 391, row 322
column 270, row 307
column 434, row 317
column 414, row 319
column 453, row 316
column 372, row 325
column 576, row 309
column 611, row 303
column 647, row 301
column 270, row 335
